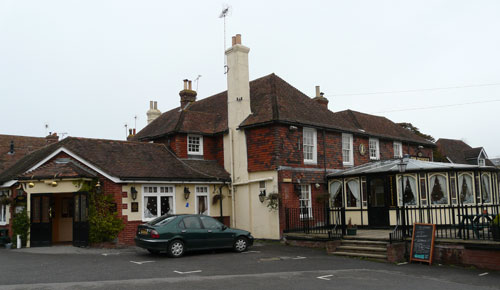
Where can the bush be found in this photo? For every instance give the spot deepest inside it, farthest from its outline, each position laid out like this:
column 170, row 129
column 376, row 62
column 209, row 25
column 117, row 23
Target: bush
column 20, row 226
column 104, row 223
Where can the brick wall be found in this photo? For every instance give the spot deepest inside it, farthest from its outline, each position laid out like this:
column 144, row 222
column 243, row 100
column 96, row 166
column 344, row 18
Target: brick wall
column 261, row 148
column 213, row 148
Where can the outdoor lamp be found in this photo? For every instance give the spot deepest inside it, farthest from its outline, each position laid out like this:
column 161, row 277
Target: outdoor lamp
column 53, row 183
column 186, row 193
column 31, row 184
column 403, row 164
column 98, row 187
column 262, row 195
column 133, row 192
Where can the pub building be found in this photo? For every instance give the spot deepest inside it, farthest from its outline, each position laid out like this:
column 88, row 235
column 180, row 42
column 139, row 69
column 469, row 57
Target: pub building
column 372, row 193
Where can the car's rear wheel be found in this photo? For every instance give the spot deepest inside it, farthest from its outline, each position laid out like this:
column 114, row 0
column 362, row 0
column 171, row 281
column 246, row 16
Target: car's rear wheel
column 240, row 244
column 154, row 252
column 176, row 249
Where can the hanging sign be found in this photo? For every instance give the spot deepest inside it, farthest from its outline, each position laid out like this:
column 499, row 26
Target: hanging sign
column 422, row 242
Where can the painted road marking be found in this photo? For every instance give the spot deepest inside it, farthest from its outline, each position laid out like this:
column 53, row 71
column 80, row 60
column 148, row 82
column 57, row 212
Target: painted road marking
column 247, row 252
column 404, row 263
column 484, row 274
column 298, row 258
column 189, row 272
column 325, row 277
column 142, row 262
column 110, row 254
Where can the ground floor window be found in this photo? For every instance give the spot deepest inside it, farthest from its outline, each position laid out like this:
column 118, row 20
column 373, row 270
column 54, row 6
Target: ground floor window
column 305, row 201
column 158, row 201
column 3, row 207
column 438, row 188
column 202, row 205
column 485, row 188
column 409, row 194
column 465, row 191
column 352, row 193
column 336, row 194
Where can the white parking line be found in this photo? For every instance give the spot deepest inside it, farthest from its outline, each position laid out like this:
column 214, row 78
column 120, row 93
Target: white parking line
column 110, row 254
column 404, row 263
column 247, row 252
column 189, row 272
column 484, row 274
column 142, row 262
column 325, row 277
column 298, row 258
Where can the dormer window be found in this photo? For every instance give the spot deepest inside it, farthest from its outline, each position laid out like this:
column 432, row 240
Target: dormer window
column 481, row 162
column 195, row 145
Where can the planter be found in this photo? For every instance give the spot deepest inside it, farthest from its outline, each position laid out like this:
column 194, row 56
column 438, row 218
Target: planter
column 351, row 231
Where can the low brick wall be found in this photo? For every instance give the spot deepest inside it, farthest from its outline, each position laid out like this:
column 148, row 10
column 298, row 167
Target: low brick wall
column 396, row 252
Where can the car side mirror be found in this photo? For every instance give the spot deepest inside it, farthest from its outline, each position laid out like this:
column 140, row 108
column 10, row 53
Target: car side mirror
column 224, row 227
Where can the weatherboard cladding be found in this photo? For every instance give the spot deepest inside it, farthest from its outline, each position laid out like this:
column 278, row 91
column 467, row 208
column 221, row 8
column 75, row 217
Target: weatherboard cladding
column 272, row 100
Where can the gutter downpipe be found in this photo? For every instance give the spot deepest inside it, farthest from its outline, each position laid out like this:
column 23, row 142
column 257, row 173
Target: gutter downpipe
column 233, row 220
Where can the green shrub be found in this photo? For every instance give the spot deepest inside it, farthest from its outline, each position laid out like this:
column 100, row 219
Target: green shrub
column 104, row 223
column 20, row 226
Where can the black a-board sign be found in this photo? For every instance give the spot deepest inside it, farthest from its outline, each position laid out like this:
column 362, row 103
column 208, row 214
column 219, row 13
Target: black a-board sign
column 422, row 242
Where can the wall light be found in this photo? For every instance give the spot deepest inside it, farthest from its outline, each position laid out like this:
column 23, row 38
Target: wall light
column 31, row 185
column 186, row 193
column 53, row 183
column 133, row 192
column 262, row 195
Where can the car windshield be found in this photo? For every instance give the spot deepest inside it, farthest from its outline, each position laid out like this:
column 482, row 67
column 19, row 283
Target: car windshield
column 163, row 220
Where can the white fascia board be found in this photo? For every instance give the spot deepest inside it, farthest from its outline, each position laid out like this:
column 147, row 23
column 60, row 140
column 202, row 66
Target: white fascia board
column 170, row 182
column 81, row 160
column 254, row 180
column 8, row 183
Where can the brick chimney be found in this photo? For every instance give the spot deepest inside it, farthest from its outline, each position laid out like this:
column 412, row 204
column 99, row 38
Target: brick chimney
column 238, row 86
column 52, row 138
column 320, row 98
column 188, row 96
column 153, row 111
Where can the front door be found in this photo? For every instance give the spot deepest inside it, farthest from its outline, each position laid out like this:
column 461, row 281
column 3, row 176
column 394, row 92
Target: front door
column 41, row 220
column 378, row 209
column 81, row 219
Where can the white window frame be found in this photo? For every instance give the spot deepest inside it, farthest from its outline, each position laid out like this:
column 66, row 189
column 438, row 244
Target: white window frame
column 349, row 162
column 401, row 190
column 204, row 192
column 459, row 187
column 158, row 196
column 490, row 179
column 446, row 186
column 481, row 162
column 376, row 149
column 346, row 185
column 200, row 151
column 313, row 145
column 398, row 145
column 4, row 209
column 305, row 196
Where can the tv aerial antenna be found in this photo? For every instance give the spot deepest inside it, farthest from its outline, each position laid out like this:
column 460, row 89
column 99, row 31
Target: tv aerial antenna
column 226, row 11
column 197, row 80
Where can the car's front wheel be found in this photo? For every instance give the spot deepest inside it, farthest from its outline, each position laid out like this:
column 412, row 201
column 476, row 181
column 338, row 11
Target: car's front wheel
column 240, row 244
column 176, row 249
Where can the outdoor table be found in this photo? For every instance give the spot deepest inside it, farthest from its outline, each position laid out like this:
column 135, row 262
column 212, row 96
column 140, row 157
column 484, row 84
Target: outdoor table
column 474, row 222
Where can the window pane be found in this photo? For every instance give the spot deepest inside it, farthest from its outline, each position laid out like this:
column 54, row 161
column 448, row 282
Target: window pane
column 45, row 209
column 83, row 208
column 151, row 207
column 486, row 190
column 352, row 193
column 194, row 144
column 439, row 193
column 192, row 222
column 210, row 223
column 202, row 205
column 409, row 191
column 465, row 189
column 166, row 205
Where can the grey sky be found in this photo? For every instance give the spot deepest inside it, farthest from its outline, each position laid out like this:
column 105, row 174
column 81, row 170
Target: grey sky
column 88, row 67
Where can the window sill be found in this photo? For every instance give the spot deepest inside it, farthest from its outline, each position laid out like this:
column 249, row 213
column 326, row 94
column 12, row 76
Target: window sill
column 310, row 162
column 3, row 223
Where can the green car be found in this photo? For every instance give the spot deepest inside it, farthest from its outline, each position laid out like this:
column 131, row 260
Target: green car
column 177, row 234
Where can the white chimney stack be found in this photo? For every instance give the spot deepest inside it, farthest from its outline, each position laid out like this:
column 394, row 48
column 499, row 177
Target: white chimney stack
column 153, row 111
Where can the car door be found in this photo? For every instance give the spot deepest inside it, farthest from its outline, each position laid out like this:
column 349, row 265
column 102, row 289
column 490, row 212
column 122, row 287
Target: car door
column 195, row 236
column 218, row 235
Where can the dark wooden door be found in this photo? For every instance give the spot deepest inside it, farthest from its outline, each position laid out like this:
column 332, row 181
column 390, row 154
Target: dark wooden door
column 378, row 207
column 41, row 220
column 81, row 219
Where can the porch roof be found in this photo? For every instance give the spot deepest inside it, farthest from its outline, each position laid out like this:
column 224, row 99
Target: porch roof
column 391, row 166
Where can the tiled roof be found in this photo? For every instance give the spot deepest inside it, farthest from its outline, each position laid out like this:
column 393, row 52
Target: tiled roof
column 381, row 126
column 272, row 100
column 126, row 160
column 60, row 169
column 23, row 145
column 459, row 152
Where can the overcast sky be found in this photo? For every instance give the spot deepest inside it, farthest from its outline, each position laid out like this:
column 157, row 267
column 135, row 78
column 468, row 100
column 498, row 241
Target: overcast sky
column 86, row 68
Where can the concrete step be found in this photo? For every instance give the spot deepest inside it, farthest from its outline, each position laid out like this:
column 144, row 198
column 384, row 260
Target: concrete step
column 361, row 255
column 364, row 243
column 363, row 249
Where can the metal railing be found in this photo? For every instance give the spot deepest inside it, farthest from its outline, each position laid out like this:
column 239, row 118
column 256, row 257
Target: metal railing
column 458, row 221
column 327, row 221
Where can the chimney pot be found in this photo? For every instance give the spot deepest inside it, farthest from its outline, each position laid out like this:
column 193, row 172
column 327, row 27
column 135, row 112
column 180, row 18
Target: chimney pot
column 190, row 85
column 317, row 91
column 134, row 131
column 233, row 40
column 238, row 38
column 185, row 84
column 151, row 106
column 155, row 105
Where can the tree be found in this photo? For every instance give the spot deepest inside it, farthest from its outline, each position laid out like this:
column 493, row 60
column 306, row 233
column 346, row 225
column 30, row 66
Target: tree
column 416, row 131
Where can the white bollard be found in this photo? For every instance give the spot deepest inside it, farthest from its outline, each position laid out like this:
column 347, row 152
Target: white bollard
column 18, row 241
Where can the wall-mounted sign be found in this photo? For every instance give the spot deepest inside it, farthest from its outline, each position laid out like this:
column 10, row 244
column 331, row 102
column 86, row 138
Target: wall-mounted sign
column 362, row 149
column 420, row 158
column 134, row 207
